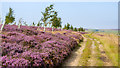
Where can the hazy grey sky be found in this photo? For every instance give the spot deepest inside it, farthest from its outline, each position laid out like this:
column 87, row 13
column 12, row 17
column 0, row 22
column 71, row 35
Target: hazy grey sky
column 103, row 15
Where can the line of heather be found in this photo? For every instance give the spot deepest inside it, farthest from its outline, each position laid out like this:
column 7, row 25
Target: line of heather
column 29, row 47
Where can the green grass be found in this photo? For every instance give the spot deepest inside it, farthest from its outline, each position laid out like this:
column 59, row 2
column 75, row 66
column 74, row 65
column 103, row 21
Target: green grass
column 110, row 48
column 119, row 51
column 86, row 53
column 98, row 55
column 108, row 31
column 110, row 45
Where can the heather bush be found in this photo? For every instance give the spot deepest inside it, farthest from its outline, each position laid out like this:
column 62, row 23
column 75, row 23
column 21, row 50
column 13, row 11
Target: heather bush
column 29, row 47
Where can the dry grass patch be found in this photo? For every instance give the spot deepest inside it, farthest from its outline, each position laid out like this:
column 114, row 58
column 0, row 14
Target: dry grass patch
column 110, row 44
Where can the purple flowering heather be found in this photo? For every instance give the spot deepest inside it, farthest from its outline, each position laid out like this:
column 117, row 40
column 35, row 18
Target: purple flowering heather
column 15, row 62
column 29, row 47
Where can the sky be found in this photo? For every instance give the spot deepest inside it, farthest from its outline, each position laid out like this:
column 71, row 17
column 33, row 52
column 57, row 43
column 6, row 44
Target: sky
column 59, row 0
column 91, row 15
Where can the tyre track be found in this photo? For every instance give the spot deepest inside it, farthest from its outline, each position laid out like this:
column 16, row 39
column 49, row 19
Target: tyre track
column 104, row 57
column 74, row 58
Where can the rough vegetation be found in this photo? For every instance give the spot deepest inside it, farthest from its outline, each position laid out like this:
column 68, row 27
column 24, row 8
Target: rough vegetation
column 29, row 47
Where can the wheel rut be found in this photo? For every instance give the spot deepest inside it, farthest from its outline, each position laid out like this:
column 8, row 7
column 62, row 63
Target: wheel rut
column 76, row 54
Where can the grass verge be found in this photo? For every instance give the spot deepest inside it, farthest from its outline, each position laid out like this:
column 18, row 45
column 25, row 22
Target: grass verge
column 86, row 53
column 98, row 55
column 109, row 42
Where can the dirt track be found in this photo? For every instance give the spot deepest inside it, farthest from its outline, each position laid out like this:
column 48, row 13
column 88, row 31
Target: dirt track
column 75, row 57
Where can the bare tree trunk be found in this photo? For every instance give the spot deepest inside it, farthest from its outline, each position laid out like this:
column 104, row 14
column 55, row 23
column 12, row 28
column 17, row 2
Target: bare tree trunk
column 52, row 29
column 44, row 28
column 19, row 25
column 2, row 26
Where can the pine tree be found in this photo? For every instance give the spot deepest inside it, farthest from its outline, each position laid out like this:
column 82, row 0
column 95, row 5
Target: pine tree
column 83, row 30
column 56, row 21
column 46, row 15
column 65, row 27
column 79, row 29
column 38, row 23
column 9, row 17
column 68, row 26
column 33, row 24
column 71, row 27
column 75, row 29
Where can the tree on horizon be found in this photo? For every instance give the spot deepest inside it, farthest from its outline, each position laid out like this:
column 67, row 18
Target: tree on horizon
column 46, row 15
column 71, row 27
column 56, row 21
column 33, row 24
column 75, row 29
column 68, row 26
column 65, row 27
column 9, row 17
